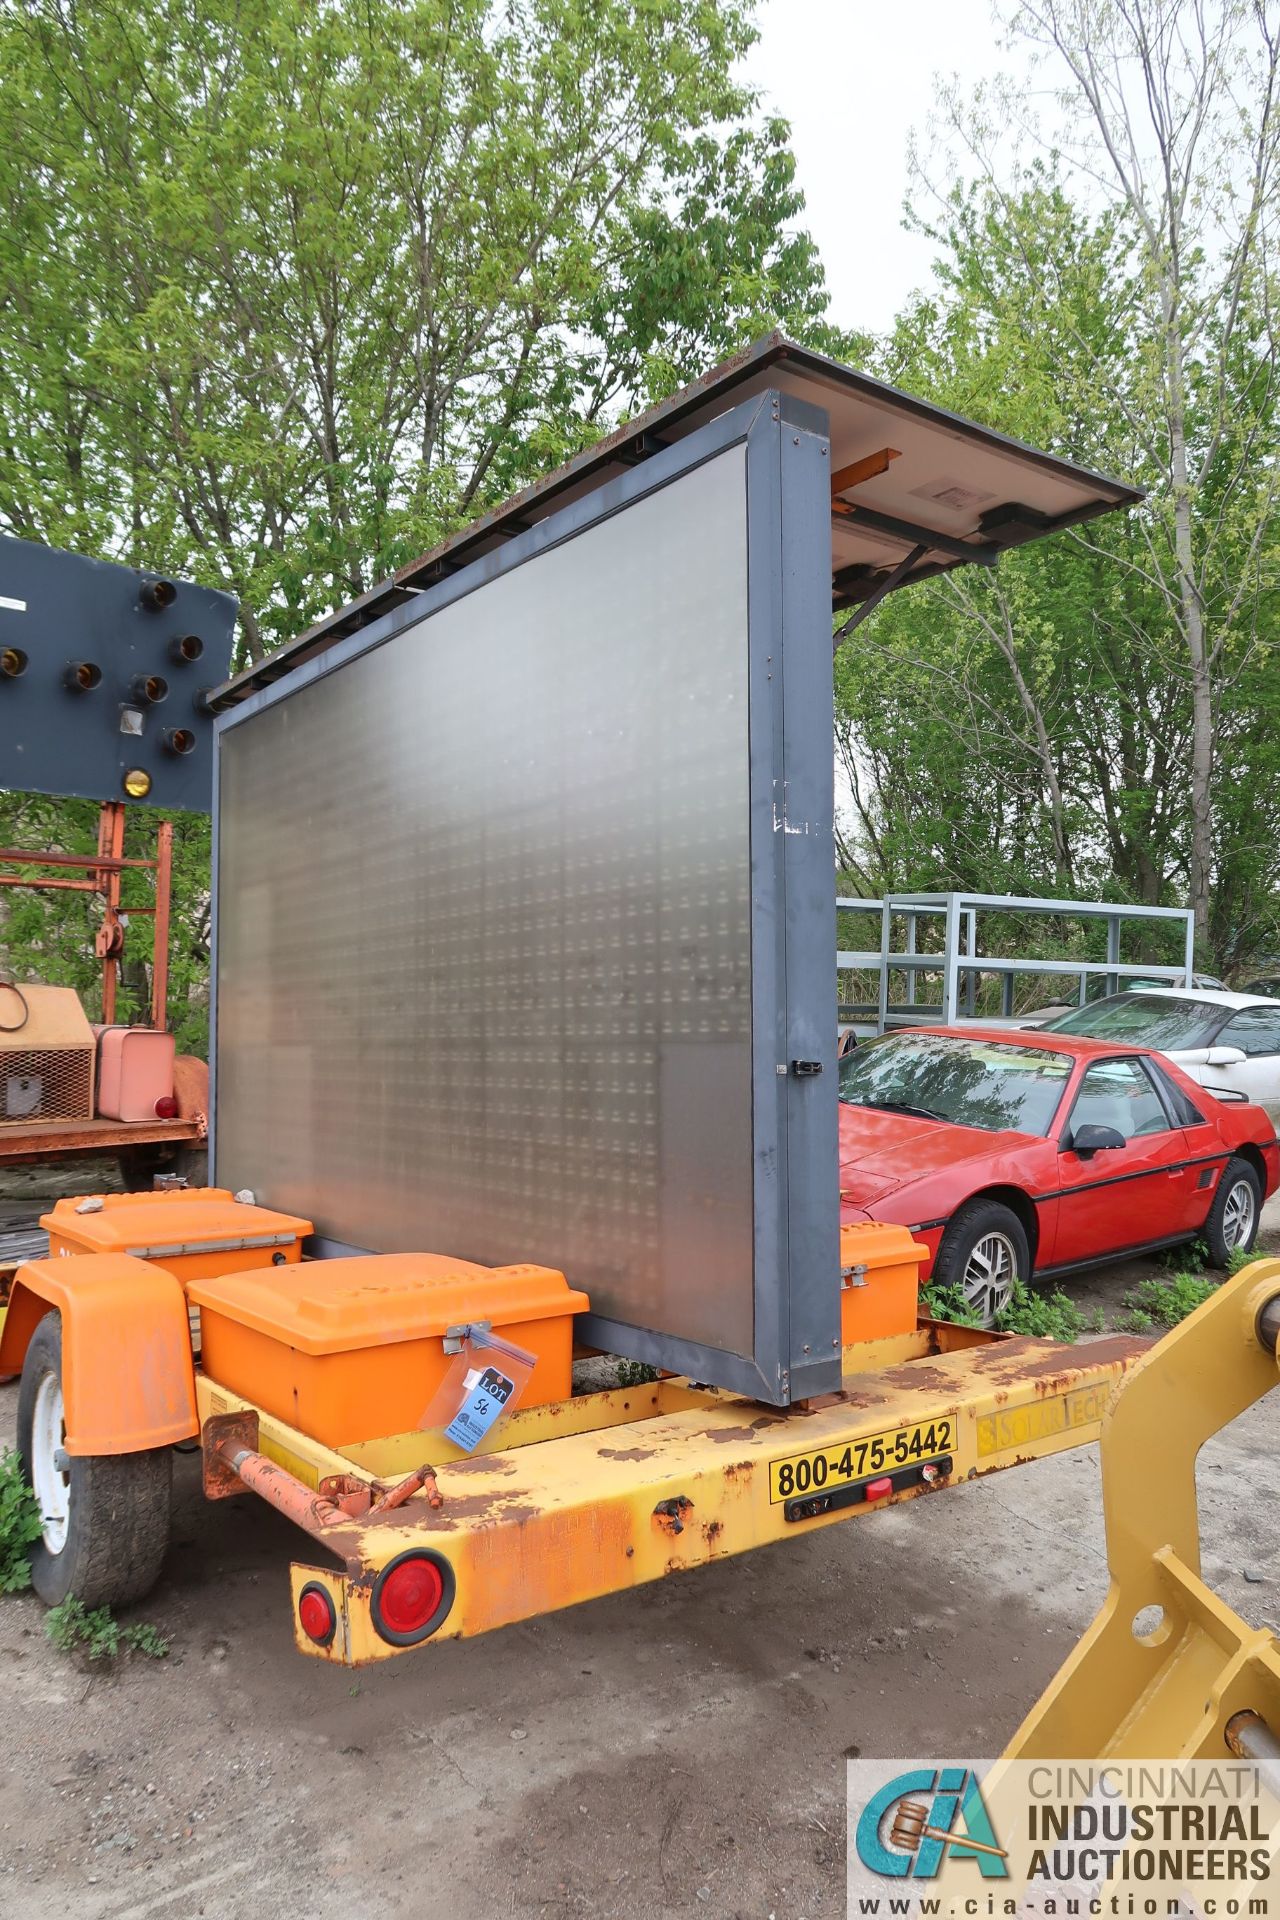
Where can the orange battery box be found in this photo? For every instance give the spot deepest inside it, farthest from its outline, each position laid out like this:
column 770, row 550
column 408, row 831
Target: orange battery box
column 192, row 1231
column 135, row 1070
column 879, row 1281
column 353, row 1349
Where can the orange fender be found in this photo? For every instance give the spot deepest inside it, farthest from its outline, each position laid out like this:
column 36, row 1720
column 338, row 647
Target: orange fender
column 128, row 1382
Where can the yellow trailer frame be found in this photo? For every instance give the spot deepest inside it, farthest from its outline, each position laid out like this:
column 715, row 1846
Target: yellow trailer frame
column 612, row 1489
column 1167, row 1670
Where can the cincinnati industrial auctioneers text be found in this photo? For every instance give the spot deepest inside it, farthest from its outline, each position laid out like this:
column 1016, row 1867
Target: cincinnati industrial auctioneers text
column 1137, row 1824
column 1062, row 1840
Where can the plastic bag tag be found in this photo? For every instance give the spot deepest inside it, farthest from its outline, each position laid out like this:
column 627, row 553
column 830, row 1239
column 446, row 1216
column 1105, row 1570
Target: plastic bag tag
column 480, row 1385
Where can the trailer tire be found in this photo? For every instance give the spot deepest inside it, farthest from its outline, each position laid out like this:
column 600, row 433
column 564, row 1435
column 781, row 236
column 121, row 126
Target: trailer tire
column 106, row 1516
column 1234, row 1217
column 984, row 1252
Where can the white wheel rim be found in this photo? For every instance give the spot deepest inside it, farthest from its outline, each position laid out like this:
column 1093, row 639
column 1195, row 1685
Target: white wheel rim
column 48, row 1440
column 989, row 1274
column 1237, row 1215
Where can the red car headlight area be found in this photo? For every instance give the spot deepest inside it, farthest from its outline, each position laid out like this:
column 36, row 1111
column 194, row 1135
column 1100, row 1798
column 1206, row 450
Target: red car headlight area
column 411, row 1597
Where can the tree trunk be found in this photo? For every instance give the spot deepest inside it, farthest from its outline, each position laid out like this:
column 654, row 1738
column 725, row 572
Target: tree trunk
column 1192, row 622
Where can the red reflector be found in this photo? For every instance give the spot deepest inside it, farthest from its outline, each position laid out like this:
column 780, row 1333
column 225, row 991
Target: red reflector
column 166, row 1107
column 410, row 1594
column 316, row 1615
column 877, row 1489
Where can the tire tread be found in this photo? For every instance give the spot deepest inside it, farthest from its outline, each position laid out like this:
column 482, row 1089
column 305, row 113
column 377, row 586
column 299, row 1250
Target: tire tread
column 118, row 1528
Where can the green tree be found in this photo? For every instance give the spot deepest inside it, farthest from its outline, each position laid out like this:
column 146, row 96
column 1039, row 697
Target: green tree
column 288, row 291
column 1101, row 710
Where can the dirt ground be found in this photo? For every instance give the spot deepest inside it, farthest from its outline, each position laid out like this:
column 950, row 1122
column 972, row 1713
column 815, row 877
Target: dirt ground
column 674, row 1751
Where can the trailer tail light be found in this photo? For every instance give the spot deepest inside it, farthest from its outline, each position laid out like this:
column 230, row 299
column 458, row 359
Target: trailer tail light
column 166, row 1107
column 317, row 1614
column 411, row 1596
column 880, row 1489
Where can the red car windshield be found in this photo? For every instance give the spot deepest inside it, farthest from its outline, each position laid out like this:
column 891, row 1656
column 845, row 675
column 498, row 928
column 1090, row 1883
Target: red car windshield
column 991, row 1084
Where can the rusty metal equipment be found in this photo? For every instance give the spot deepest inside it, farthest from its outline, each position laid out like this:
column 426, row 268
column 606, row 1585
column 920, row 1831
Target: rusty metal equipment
column 103, row 873
column 564, row 1501
column 1167, row 1670
column 623, row 1486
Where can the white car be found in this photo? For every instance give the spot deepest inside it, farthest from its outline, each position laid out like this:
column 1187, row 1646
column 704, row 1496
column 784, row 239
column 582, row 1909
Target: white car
column 1228, row 1042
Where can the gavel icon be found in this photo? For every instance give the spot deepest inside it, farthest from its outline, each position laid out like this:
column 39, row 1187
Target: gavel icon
column 911, row 1826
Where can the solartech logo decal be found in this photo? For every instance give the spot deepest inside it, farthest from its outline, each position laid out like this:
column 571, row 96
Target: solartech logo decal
column 1063, row 1840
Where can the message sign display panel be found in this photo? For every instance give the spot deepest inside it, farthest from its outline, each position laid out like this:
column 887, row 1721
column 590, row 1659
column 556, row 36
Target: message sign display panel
column 498, row 959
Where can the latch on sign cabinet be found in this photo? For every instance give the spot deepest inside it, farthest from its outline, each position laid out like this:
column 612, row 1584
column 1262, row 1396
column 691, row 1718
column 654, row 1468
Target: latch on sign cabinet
column 456, row 1338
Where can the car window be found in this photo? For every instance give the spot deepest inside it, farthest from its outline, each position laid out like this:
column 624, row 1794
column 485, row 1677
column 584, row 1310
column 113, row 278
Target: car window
column 1145, row 1019
column 1183, row 1109
column 1117, row 1093
column 1256, row 1030
column 971, row 1083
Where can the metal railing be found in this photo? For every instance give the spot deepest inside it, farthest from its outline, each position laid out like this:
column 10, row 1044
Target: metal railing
column 960, row 964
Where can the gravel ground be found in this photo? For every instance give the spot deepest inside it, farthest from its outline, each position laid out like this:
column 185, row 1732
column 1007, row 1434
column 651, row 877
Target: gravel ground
column 674, row 1751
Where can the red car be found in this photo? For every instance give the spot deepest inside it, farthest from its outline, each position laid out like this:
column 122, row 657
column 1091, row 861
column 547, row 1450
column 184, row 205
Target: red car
column 1013, row 1154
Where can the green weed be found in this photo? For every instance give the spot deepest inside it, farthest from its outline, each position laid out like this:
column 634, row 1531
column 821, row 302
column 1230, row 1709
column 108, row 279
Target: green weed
column 1048, row 1316
column 74, row 1628
column 948, row 1303
column 634, row 1373
column 1163, row 1303
column 19, row 1525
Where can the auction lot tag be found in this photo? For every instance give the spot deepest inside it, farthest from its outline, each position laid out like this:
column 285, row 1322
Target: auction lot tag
column 485, row 1403
column 483, row 1381
column 836, row 1466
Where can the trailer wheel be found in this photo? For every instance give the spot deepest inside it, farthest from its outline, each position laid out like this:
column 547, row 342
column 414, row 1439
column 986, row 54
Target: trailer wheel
column 1233, row 1220
column 983, row 1252
column 106, row 1516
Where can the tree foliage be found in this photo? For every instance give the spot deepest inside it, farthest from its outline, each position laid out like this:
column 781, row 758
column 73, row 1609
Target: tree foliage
column 290, row 290
column 1099, row 716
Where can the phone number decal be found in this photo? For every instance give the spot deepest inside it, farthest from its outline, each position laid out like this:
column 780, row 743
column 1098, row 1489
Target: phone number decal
column 835, row 1466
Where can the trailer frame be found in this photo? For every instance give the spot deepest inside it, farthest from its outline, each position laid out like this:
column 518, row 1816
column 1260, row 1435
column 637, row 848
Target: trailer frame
column 613, row 1489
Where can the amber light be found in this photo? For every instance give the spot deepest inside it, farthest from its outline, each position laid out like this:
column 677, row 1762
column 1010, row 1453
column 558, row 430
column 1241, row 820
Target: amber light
column 13, row 663
column 82, row 676
column 137, row 783
column 179, row 740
